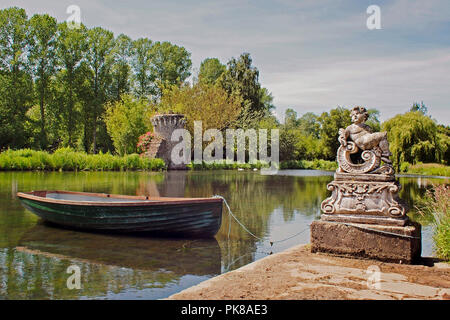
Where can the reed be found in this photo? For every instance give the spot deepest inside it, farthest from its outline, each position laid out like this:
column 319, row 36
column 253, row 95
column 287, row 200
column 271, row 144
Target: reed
column 67, row 159
column 435, row 207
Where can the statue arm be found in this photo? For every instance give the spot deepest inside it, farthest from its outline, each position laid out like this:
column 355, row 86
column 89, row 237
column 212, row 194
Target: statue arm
column 343, row 135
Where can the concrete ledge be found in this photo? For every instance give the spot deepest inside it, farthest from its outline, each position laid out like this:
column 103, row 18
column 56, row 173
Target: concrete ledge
column 368, row 241
column 296, row 273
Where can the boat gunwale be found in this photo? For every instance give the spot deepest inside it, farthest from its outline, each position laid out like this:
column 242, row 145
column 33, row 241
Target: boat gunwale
column 40, row 196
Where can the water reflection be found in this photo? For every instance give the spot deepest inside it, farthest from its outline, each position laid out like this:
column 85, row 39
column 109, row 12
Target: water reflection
column 34, row 256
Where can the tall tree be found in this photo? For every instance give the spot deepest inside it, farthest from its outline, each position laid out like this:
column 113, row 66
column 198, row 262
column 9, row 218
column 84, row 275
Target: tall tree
column 330, row 125
column 413, row 137
column 141, row 63
column 170, row 65
column 42, row 57
column 71, row 45
column 121, row 70
column 241, row 78
column 99, row 58
column 16, row 84
column 210, row 70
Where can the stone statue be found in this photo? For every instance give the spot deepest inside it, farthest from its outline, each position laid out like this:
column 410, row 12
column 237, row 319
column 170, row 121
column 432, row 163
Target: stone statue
column 362, row 135
column 364, row 215
column 363, row 189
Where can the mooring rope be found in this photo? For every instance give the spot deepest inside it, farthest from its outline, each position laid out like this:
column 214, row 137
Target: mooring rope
column 294, row 235
column 248, row 231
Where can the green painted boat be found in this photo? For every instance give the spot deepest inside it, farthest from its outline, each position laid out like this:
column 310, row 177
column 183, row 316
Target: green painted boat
column 181, row 217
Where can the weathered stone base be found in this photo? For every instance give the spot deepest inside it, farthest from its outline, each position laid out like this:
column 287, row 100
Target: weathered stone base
column 367, row 241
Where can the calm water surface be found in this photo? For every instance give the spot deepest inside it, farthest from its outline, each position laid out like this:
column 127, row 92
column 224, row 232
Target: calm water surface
column 34, row 257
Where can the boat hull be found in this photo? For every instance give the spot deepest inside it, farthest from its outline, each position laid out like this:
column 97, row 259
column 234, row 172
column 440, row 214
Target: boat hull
column 197, row 219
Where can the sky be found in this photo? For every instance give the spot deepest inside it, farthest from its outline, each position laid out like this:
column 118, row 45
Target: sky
column 312, row 55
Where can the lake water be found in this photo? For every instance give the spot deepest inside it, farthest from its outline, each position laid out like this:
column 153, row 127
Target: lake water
column 34, row 257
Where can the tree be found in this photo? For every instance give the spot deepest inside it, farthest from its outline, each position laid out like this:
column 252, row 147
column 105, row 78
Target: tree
column 416, row 107
column 210, row 70
column 141, row 63
column 290, row 118
column 170, row 65
column 373, row 120
column 70, row 48
column 43, row 57
column 413, row 137
column 126, row 120
column 121, row 70
column 241, row 78
column 330, row 125
column 309, row 125
column 16, row 85
column 201, row 102
column 99, row 58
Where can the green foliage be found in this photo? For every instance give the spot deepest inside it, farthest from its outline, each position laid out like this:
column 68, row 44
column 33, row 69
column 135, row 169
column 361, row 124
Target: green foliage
column 225, row 165
column 429, row 169
column 210, row 70
column 141, row 64
column 242, row 79
column 16, row 85
column 316, row 164
column 42, row 57
column 170, row 64
column 330, row 125
column 66, row 159
column 436, row 207
column 413, row 138
column 126, row 120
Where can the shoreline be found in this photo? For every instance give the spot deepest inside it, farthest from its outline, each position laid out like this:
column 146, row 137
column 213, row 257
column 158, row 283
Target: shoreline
column 298, row 274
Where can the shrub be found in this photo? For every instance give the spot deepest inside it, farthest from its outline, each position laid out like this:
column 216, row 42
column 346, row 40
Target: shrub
column 67, row 159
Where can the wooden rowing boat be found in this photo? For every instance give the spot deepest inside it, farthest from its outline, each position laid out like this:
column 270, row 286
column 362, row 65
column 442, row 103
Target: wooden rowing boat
column 185, row 217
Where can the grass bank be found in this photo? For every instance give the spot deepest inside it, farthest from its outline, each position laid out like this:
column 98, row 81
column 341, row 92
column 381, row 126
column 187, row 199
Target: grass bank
column 435, row 207
column 66, row 159
column 429, row 169
column 293, row 164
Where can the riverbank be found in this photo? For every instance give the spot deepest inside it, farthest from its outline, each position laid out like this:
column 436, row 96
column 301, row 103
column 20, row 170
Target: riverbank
column 296, row 273
column 67, row 159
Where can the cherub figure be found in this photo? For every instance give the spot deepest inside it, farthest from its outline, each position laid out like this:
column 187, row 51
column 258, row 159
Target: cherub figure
column 363, row 136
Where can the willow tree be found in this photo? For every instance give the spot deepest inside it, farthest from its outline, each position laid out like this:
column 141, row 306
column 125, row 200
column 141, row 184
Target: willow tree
column 413, row 138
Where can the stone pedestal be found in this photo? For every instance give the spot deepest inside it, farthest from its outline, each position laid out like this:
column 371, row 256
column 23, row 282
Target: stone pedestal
column 364, row 217
column 386, row 243
column 161, row 146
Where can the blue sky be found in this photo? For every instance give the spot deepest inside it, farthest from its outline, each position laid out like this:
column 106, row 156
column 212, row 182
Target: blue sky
column 313, row 55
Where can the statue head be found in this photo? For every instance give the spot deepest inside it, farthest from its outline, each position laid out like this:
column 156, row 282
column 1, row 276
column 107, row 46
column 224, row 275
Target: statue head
column 359, row 115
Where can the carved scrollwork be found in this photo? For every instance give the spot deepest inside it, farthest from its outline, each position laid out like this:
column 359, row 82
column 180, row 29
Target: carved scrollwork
column 371, row 158
column 364, row 198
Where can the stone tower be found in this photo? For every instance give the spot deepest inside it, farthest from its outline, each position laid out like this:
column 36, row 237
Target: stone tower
column 161, row 146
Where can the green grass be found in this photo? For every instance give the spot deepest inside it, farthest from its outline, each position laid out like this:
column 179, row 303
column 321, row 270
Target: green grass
column 435, row 207
column 66, row 159
column 429, row 169
column 317, row 164
column 223, row 165
column 293, row 164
